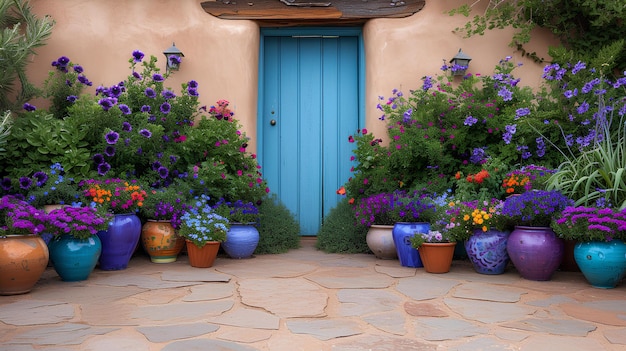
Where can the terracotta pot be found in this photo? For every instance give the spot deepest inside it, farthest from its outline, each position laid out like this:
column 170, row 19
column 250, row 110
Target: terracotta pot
column 23, row 259
column 160, row 241
column 437, row 257
column 202, row 257
column 380, row 240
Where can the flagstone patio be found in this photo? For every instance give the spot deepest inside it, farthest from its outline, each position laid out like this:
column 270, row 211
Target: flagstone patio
column 309, row 300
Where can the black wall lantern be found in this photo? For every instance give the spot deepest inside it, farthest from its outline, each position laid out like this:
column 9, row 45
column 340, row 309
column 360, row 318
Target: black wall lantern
column 173, row 57
column 459, row 63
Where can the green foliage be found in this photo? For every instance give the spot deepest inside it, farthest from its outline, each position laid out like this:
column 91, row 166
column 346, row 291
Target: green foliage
column 6, row 122
column 583, row 26
column 57, row 189
column 596, row 177
column 339, row 234
column 21, row 32
column 279, row 231
column 39, row 139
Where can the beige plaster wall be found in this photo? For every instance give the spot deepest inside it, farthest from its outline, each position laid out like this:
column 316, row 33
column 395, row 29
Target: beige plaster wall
column 222, row 55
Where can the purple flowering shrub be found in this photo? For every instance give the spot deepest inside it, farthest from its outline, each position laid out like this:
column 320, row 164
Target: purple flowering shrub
column 447, row 126
column 590, row 224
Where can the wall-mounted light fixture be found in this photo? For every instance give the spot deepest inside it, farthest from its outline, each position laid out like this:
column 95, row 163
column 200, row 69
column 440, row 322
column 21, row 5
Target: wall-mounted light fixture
column 173, row 57
column 459, row 63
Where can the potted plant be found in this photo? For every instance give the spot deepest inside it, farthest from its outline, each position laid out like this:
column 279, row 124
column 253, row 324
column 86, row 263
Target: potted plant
column 243, row 236
column 481, row 227
column 376, row 213
column 533, row 247
column 123, row 199
column 412, row 213
column 600, row 251
column 204, row 230
column 163, row 209
column 436, row 250
column 23, row 254
column 76, row 247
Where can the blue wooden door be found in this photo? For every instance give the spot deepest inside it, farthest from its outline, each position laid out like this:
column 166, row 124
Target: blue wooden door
column 309, row 103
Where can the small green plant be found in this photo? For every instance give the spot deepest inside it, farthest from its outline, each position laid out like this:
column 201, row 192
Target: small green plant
column 338, row 234
column 279, row 231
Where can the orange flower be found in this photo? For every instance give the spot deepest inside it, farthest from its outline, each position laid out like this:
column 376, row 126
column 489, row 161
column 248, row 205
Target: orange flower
column 341, row 191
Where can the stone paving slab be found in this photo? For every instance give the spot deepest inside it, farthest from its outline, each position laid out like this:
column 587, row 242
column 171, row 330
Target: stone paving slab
column 244, row 335
column 204, row 344
column 382, row 343
column 488, row 292
column 350, row 278
column 425, row 286
column 360, row 302
column 248, row 318
column 32, row 312
column 182, row 311
column 439, row 329
column 67, row 334
column 553, row 326
column 324, row 329
column 210, row 291
column 164, row 333
column 552, row 343
column 283, row 297
column 263, row 267
column 196, row 275
column 487, row 311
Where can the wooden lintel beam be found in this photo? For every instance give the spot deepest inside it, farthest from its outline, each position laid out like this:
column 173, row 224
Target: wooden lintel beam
column 311, row 10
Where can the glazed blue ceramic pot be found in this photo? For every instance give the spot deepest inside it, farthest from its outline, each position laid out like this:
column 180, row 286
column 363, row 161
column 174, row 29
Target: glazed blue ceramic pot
column 602, row 263
column 74, row 259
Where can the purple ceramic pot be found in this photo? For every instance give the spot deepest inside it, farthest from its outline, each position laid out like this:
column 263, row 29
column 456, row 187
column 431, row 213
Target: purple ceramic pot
column 536, row 252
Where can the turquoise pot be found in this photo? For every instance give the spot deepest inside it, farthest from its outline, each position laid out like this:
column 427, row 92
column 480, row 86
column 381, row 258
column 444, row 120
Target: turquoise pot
column 602, row 263
column 74, row 259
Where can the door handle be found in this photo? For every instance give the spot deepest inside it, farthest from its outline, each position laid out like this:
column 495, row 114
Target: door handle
column 273, row 122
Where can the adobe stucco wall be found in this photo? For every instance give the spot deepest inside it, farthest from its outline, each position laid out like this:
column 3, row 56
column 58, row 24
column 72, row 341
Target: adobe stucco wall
column 222, row 55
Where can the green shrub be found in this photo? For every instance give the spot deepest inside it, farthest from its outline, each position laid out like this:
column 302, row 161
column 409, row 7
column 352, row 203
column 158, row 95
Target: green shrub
column 279, row 231
column 340, row 234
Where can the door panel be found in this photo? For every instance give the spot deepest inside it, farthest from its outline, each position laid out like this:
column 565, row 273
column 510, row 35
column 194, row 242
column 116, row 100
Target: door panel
column 310, row 89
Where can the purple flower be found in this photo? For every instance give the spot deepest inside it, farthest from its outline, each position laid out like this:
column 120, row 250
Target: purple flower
column 427, row 83
column 25, row 182
column 41, row 178
column 584, row 107
column 28, row 107
column 112, row 137
column 107, row 103
column 168, row 94
column 146, row 108
column 78, row 69
column 127, row 127
column 109, row 150
column 163, row 172
column 155, row 165
column 71, row 98
column 98, row 159
column 193, row 84
column 103, row 168
column 137, row 56
column 6, row 184
column 137, row 75
column 578, row 66
column 125, row 109
column 150, row 93
column 470, row 121
column 145, row 133
column 406, row 117
column 165, row 108
column 157, row 77
column 83, row 80
column 192, row 92
column 521, row 112
column 570, row 93
column 505, row 94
